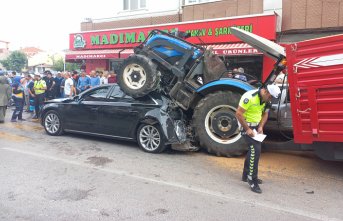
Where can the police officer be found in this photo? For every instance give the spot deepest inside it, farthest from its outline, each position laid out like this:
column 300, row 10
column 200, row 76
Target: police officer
column 39, row 88
column 252, row 113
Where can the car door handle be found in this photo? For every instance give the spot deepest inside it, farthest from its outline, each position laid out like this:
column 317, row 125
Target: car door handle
column 133, row 112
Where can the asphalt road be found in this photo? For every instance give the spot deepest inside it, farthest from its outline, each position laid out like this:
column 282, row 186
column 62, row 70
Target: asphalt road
column 74, row 177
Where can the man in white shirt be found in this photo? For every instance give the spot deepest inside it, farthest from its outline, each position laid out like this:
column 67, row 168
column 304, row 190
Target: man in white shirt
column 68, row 85
column 281, row 78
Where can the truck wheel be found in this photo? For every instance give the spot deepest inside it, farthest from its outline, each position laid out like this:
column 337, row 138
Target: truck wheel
column 138, row 76
column 216, row 126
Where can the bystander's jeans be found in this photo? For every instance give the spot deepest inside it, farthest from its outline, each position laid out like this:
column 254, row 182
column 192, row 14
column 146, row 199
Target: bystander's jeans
column 39, row 101
column 27, row 102
column 19, row 106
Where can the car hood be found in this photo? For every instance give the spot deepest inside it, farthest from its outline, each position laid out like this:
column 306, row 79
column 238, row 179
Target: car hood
column 265, row 46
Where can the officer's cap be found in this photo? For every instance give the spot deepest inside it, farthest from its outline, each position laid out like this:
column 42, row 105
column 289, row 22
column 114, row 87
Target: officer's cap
column 273, row 90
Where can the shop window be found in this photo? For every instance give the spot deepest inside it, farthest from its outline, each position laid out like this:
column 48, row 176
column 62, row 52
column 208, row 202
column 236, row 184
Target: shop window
column 191, row 2
column 115, row 65
column 142, row 3
column 130, row 5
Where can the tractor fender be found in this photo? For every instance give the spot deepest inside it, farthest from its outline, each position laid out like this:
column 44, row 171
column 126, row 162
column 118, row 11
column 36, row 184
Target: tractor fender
column 225, row 84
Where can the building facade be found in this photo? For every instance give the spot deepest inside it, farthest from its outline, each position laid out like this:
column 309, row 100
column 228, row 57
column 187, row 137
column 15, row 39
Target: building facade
column 307, row 19
column 293, row 20
column 132, row 13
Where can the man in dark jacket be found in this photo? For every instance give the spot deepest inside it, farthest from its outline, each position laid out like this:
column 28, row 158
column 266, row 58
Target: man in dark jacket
column 18, row 98
column 58, row 81
column 50, row 86
column 5, row 96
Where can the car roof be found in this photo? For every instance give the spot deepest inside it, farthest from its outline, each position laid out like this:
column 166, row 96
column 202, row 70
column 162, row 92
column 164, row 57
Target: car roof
column 154, row 95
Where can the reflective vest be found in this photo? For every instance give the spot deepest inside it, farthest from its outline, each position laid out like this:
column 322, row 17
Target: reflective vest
column 254, row 108
column 38, row 85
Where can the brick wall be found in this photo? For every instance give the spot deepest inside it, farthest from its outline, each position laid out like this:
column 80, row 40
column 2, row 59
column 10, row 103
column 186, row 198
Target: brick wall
column 311, row 14
column 225, row 8
column 89, row 26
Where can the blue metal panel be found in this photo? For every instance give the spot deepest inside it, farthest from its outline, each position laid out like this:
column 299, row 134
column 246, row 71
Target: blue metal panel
column 168, row 52
column 227, row 82
column 175, row 41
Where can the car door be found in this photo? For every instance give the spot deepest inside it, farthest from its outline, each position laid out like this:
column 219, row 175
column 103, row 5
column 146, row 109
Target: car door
column 121, row 114
column 83, row 114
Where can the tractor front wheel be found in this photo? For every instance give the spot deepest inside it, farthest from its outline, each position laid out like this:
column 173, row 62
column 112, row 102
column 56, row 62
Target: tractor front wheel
column 138, row 76
column 216, row 126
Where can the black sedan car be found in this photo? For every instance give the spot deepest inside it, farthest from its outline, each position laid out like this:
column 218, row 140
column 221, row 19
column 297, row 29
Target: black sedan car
column 106, row 111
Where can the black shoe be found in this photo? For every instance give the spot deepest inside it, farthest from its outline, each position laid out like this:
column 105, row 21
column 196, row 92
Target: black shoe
column 245, row 179
column 22, row 119
column 254, row 186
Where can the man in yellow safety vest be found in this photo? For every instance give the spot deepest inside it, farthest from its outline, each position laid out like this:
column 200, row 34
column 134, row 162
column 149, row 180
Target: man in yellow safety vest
column 39, row 88
column 252, row 114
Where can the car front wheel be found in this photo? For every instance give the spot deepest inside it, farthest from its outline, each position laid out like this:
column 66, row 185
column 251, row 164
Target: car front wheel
column 52, row 123
column 150, row 138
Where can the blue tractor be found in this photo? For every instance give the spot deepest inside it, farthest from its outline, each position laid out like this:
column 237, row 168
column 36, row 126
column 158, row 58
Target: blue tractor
column 196, row 81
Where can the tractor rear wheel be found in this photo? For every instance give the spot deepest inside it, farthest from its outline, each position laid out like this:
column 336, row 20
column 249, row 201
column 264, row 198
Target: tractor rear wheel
column 216, row 126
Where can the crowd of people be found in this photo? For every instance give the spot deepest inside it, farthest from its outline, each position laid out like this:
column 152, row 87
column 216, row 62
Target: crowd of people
column 30, row 91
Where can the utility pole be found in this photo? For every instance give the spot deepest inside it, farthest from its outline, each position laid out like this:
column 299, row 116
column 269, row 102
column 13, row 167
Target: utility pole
column 64, row 63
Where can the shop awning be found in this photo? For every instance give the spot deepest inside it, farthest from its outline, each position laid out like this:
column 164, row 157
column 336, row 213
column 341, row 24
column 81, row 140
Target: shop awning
column 234, row 49
column 98, row 54
column 220, row 49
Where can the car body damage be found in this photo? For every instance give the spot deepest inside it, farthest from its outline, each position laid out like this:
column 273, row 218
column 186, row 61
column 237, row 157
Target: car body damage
column 171, row 120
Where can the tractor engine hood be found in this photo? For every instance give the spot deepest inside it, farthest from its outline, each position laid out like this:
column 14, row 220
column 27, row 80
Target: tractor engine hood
column 265, row 46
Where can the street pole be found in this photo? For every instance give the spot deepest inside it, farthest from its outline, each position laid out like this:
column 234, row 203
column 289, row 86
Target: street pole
column 64, row 64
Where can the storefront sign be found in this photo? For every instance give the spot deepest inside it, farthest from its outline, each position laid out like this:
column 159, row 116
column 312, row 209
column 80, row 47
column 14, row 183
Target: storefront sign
column 236, row 51
column 97, row 54
column 210, row 32
column 92, row 56
column 79, row 41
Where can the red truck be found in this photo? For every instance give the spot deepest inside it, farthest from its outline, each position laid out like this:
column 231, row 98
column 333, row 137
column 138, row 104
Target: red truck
column 314, row 112
column 315, row 75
